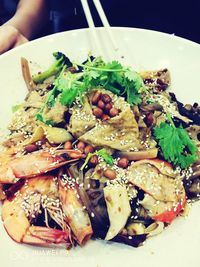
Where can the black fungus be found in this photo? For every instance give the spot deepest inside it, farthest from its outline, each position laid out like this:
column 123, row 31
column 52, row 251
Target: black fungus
column 194, row 116
column 50, row 87
column 67, row 116
column 133, row 241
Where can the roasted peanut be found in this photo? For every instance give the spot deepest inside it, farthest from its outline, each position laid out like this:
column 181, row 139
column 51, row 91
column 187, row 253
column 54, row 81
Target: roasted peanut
column 75, row 154
column 68, row 145
column 108, row 107
column 105, row 117
column 88, row 149
column 114, row 112
column 96, row 97
column 123, row 163
column 93, row 161
column 81, row 146
column 106, row 98
column 97, row 112
column 101, row 104
column 31, row 148
column 110, row 174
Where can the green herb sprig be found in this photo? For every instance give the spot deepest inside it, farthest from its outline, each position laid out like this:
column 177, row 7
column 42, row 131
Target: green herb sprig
column 101, row 153
column 175, row 144
column 95, row 73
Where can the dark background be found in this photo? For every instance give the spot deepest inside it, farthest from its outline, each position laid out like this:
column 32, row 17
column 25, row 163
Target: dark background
column 181, row 18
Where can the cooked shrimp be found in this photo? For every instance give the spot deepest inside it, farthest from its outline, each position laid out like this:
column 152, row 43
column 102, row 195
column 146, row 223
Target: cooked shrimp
column 75, row 212
column 15, row 165
column 20, row 214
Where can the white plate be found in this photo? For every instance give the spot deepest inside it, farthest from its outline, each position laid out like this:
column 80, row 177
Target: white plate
column 178, row 245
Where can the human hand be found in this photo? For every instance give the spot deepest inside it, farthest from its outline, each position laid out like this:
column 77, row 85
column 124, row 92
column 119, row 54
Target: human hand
column 10, row 37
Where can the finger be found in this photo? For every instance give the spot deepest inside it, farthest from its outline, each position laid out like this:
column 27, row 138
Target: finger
column 20, row 40
column 8, row 37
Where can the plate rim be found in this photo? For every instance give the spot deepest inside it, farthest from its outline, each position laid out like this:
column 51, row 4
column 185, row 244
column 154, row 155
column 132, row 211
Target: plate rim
column 147, row 31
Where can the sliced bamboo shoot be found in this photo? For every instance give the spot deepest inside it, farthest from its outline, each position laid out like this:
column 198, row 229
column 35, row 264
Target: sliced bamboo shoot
column 138, row 155
column 118, row 207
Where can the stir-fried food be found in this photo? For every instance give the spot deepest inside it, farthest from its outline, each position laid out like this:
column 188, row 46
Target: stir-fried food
column 97, row 150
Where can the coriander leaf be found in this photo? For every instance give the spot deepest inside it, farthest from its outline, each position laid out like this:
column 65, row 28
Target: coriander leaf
column 101, row 153
column 105, row 156
column 68, row 96
column 114, row 65
column 93, row 74
column 186, row 160
column 176, row 145
column 52, row 97
column 132, row 96
column 114, row 77
column 137, row 80
column 151, row 101
column 99, row 65
column 133, row 86
column 87, row 160
column 39, row 117
column 112, row 89
column 169, row 141
column 16, row 107
column 66, row 80
column 131, row 75
column 70, row 86
column 187, row 141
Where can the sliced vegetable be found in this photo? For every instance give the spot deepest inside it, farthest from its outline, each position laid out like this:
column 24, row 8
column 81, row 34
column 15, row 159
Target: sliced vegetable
column 154, row 228
column 118, row 207
column 138, row 155
column 60, row 61
column 27, row 75
column 53, row 134
column 135, row 229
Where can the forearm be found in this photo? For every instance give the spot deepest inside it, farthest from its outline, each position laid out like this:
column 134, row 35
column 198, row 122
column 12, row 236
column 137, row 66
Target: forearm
column 30, row 17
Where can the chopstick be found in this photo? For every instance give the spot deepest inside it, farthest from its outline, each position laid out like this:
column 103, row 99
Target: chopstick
column 104, row 21
column 91, row 25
